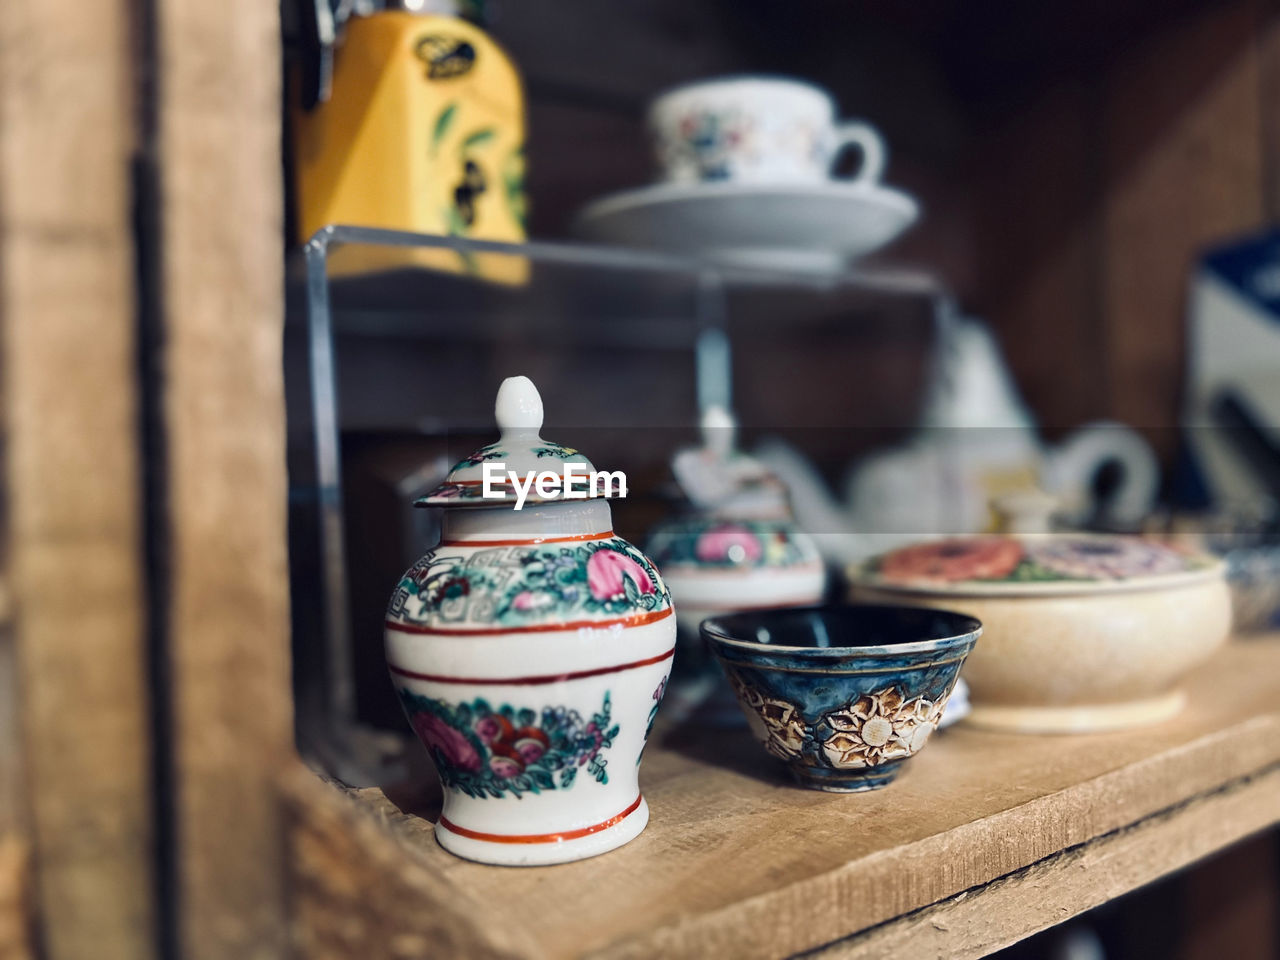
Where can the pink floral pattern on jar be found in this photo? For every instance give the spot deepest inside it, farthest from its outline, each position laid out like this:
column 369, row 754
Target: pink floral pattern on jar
column 738, row 544
column 608, row 572
column 734, row 544
column 452, row 745
column 488, row 752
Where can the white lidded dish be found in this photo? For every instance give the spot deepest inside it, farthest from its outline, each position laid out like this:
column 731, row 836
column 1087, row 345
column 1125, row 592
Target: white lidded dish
column 1082, row 632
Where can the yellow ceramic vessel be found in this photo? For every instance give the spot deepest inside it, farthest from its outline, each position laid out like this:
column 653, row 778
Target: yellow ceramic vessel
column 424, row 131
column 1079, row 633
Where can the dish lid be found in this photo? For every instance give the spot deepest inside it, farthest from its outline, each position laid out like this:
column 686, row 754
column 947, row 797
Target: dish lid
column 720, row 482
column 1035, row 564
column 519, row 449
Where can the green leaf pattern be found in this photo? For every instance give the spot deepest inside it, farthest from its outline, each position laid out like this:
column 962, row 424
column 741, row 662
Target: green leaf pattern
column 443, row 122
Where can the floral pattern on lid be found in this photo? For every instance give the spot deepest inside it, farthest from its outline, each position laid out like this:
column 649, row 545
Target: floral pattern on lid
column 538, row 587
column 1114, row 558
column 1032, row 559
column 950, row 561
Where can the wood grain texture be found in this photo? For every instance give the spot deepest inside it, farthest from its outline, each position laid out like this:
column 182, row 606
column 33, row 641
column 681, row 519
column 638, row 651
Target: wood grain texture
column 222, row 275
column 737, row 862
column 1183, row 156
column 1093, row 195
column 16, row 941
column 358, row 892
column 13, row 814
column 66, row 138
column 1039, row 252
column 15, row 847
column 1269, row 71
column 978, row 922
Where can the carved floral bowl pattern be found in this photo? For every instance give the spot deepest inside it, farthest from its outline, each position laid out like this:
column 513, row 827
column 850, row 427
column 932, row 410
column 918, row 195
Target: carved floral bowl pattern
column 844, row 695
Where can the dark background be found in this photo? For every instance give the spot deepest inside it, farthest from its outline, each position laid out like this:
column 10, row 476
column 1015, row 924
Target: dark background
column 1071, row 159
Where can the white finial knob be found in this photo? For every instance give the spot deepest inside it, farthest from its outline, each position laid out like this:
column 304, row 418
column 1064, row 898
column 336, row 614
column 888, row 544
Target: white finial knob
column 1025, row 511
column 719, row 430
column 518, row 407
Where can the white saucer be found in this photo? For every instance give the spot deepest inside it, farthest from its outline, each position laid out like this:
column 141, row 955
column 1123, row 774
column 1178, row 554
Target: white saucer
column 810, row 227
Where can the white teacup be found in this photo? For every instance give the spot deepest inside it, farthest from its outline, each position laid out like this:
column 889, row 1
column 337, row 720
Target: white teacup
column 757, row 130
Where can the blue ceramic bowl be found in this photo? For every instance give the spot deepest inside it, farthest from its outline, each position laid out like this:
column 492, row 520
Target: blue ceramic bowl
column 843, row 694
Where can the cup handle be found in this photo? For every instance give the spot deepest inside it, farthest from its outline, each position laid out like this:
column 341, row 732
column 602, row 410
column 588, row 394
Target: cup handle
column 868, row 141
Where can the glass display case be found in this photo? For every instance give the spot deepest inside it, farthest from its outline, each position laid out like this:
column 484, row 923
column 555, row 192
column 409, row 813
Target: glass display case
column 395, row 343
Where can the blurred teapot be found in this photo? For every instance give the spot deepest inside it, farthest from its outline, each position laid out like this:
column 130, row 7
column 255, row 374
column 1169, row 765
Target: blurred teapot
column 945, row 481
column 977, row 443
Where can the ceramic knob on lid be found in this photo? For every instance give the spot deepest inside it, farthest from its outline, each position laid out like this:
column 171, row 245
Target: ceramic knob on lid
column 530, row 650
column 519, row 449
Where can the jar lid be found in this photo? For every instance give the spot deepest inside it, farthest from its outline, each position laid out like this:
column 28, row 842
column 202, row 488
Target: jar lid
column 521, row 451
column 1034, row 564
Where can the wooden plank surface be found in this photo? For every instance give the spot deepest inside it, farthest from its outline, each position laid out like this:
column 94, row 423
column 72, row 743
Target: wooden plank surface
column 222, row 270
column 978, row 922
column 357, row 893
column 67, row 136
column 736, row 861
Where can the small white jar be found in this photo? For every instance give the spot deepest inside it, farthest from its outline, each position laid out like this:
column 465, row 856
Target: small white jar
column 531, row 650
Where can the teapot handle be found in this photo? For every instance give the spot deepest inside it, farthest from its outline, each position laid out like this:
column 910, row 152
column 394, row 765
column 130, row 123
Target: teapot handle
column 1070, row 468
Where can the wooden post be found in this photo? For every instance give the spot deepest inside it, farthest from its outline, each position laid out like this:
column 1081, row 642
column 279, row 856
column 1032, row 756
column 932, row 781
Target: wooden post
column 222, row 271
column 15, row 844
column 67, row 136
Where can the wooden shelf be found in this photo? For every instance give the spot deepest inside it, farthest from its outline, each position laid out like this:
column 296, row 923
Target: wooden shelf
column 985, row 839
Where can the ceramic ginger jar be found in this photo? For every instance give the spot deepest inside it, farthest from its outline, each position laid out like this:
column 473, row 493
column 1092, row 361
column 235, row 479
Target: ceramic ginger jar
column 530, row 650
column 718, row 563
column 1080, row 632
column 736, row 548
